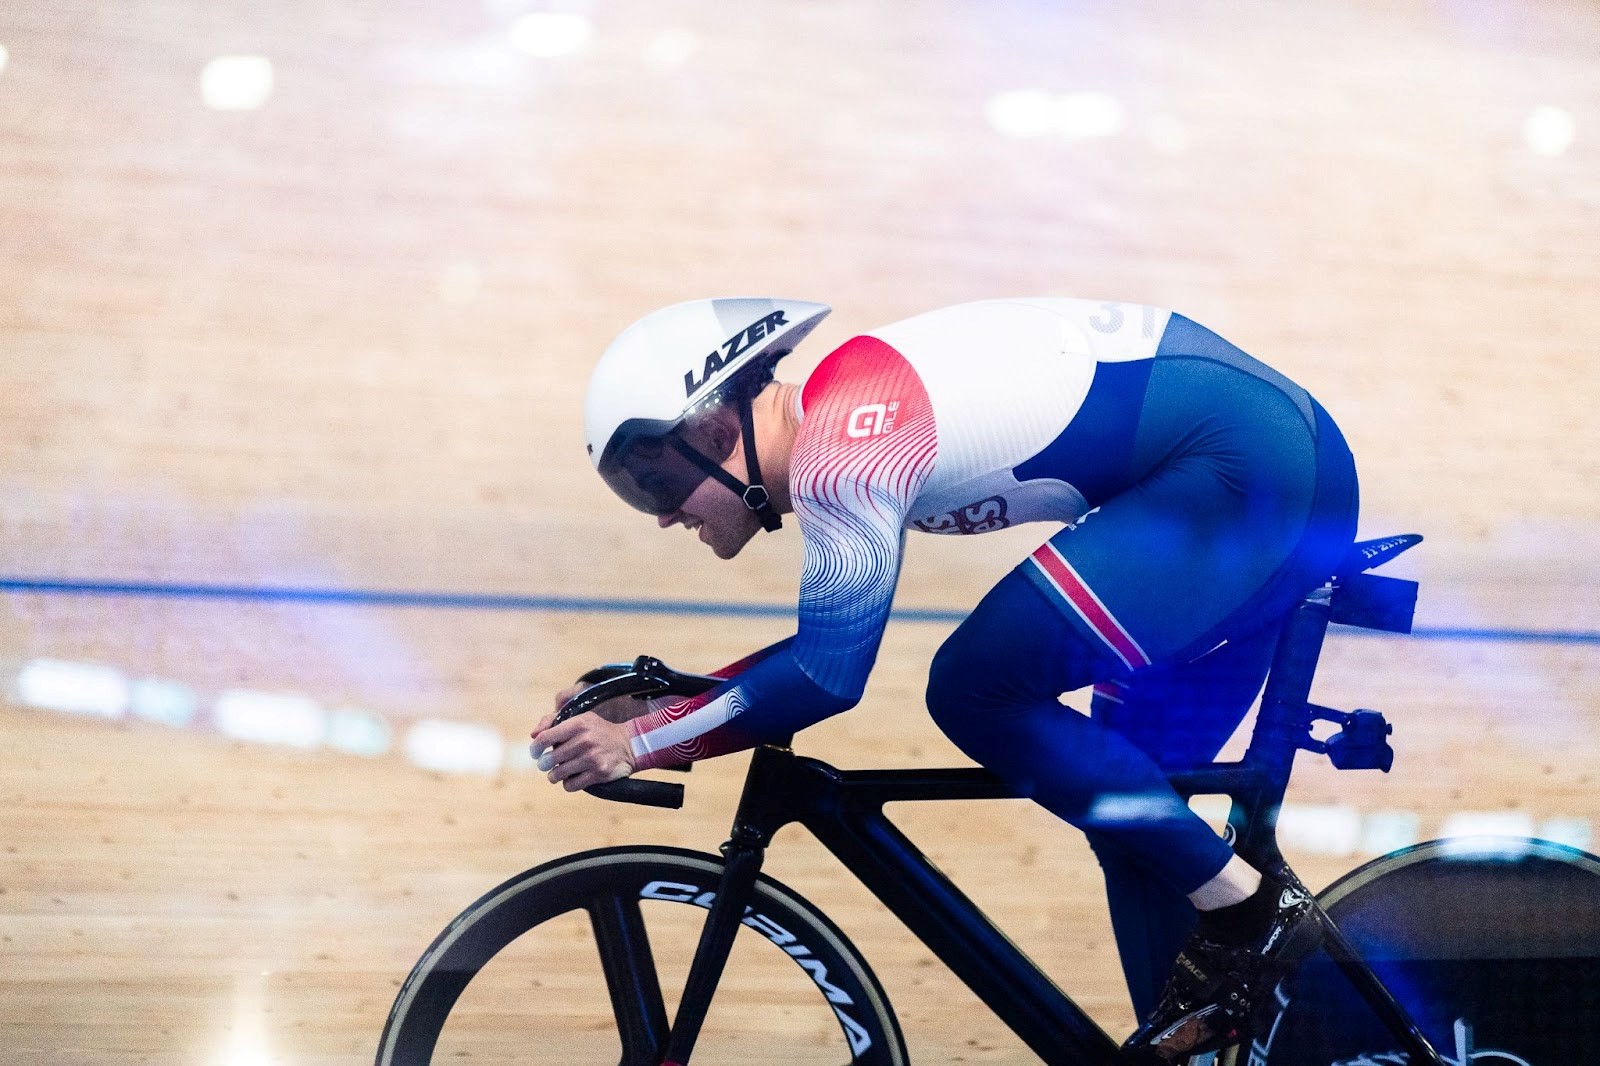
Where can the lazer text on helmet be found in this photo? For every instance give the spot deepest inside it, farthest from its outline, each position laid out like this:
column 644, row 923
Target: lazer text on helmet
column 731, row 348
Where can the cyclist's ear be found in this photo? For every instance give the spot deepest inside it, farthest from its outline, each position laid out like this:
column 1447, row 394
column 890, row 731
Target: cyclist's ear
column 715, row 433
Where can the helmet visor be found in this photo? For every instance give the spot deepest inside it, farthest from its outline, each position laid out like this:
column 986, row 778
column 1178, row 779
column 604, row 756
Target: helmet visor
column 655, row 474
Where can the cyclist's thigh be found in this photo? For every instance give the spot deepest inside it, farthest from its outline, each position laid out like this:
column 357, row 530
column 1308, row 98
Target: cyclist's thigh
column 1213, row 540
column 1182, row 714
column 1014, row 650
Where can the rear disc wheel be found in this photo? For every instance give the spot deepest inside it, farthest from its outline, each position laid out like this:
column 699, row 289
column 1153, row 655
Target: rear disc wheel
column 1491, row 944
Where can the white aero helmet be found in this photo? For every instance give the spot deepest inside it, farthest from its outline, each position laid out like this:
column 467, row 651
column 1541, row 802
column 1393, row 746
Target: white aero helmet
column 669, row 369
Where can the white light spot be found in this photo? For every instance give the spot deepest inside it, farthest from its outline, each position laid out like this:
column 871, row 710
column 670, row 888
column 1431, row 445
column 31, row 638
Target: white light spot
column 236, row 83
column 4, row 55
column 1386, row 831
column 248, row 1057
column 1021, row 112
column 459, row 283
column 1486, row 847
column 1319, row 829
column 1487, row 824
column 1123, row 808
column 671, row 49
column 519, row 757
column 1167, row 135
column 1550, row 130
column 547, row 34
column 166, row 702
column 1573, row 832
column 73, row 687
column 1036, row 113
column 455, row 747
column 270, row 718
column 357, row 732
column 1088, row 114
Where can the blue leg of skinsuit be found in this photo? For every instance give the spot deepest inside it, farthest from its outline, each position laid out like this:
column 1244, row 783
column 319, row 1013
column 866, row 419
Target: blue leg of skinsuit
column 1248, row 503
column 1181, row 716
column 993, row 690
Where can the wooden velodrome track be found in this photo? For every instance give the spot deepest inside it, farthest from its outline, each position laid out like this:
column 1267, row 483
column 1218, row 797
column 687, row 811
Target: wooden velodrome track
column 338, row 342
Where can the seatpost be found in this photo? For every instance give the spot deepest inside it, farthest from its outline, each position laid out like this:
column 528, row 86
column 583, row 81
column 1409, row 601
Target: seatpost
column 1284, row 723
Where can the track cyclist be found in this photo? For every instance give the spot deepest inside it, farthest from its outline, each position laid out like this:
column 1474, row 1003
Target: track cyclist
column 1203, row 495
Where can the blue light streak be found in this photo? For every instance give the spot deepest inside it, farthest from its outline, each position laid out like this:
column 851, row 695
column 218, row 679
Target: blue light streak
column 621, row 605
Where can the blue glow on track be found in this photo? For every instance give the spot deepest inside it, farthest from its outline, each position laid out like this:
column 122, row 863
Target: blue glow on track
column 581, row 604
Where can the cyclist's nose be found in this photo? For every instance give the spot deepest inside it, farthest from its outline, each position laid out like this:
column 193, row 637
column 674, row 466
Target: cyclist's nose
column 668, row 519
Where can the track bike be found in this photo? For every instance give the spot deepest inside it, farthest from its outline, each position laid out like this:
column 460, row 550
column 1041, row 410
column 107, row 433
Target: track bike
column 1461, row 952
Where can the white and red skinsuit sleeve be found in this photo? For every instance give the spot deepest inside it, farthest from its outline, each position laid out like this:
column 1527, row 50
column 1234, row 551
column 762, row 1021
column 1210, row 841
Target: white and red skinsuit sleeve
column 865, row 449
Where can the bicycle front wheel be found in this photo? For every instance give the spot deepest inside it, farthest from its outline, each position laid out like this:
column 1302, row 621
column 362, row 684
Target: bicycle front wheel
column 1492, row 946
column 580, row 961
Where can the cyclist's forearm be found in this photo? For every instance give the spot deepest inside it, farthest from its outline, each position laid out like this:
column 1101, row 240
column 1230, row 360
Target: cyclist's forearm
column 671, row 708
column 769, row 701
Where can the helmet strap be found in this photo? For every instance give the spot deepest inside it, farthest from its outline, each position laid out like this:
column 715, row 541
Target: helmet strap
column 754, row 494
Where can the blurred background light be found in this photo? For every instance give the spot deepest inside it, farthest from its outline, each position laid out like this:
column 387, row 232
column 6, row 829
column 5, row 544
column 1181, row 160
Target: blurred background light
column 248, row 1045
column 1088, row 114
column 247, row 1056
column 4, row 55
column 547, row 34
column 1125, row 807
column 1472, row 846
column 1573, row 832
column 1386, row 831
column 455, row 747
column 1036, row 113
column 519, row 757
column 1021, row 112
column 1550, row 130
column 1167, row 135
column 1320, row 829
column 73, row 687
column 459, row 282
column 167, row 702
column 236, row 83
column 671, row 49
column 270, row 718
column 1468, row 824
column 357, row 732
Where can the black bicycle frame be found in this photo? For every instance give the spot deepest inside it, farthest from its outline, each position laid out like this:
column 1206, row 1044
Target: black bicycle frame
column 844, row 810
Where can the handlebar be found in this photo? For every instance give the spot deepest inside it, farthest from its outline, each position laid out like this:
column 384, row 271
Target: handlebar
column 646, row 676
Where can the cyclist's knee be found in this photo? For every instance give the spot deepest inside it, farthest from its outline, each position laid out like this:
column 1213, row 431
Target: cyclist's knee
column 1011, row 652
column 954, row 693
column 977, row 674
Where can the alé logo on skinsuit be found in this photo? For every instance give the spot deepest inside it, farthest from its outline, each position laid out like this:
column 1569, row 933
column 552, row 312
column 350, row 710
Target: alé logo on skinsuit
column 731, row 348
column 838, row 998
column 872, row 419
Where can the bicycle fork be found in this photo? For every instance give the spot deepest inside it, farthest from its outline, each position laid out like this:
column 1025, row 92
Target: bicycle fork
column 743, row 857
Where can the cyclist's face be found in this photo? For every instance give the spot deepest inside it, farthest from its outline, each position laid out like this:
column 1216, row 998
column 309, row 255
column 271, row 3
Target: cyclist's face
column 720, row 518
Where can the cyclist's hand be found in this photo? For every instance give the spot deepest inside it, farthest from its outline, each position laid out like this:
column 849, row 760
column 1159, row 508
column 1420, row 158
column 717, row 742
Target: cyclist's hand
column 583, row 751
column 616, row 709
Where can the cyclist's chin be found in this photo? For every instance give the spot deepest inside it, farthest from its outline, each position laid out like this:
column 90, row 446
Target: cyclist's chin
column 726, row 550
column 725, row 543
